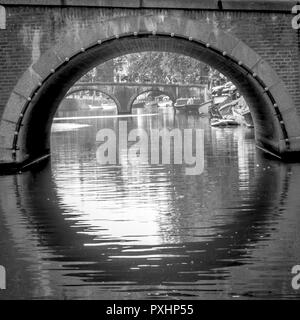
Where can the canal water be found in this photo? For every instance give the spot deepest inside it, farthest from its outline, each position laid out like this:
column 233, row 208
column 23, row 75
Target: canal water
column 78, row 229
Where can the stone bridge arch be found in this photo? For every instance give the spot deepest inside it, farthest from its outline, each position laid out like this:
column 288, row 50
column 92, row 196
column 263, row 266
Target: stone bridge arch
column 124, row 94
column 27, row 118
column 168, row 93
column 112, row 97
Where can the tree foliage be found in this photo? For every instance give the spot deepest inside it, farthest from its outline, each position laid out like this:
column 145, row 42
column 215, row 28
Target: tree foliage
column 164, row 67
column 152, row 66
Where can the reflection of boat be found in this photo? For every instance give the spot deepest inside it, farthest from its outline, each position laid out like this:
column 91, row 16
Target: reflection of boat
column 215, row 122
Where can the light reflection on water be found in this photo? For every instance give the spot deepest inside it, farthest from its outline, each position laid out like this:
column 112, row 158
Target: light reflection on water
column 75, row 229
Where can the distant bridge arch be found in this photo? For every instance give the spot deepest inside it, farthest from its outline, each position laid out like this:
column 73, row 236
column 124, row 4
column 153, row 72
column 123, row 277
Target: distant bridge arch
column 154, row 90
column 27, row 116
column 126, row 92
column 114, row 99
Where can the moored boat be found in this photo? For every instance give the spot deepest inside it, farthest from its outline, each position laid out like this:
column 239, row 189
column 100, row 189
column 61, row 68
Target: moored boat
column 248, row 118
column 242, row 113
column 205, row 106
column 180, row 104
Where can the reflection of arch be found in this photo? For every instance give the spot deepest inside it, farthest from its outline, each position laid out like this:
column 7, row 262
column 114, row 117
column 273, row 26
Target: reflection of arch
column 160, row 92
column 114, row 99
column 44, row 85
column 37, row 223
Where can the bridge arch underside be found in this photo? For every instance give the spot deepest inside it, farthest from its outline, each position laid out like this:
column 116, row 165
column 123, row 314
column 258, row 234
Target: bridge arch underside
column 275, row 118
column 156, row 91
column 108, row 95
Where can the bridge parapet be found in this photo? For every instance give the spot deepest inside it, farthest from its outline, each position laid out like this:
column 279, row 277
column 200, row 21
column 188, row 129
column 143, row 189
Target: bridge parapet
column 233, row 5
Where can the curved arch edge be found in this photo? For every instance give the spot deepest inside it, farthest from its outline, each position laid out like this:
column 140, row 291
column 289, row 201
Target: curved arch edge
column 192, row 30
